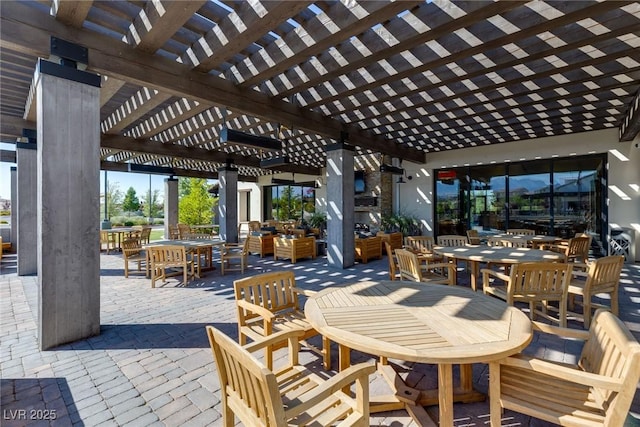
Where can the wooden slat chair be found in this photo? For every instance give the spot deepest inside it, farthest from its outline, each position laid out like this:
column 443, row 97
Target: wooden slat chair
column 412, row 269
column 602, row 277
column 597, row 391
column 174, row 233
column 167, row 257
column 575, row 249
column 291, row 395
column 424, row 246
column 452, row 240
column 234, row 253
column 145, row 234
column 109, row 240
column 184, row 231
column 473, row 237
column 394, row 269
column 132, row 252
column 534, row 283
column 521, row 231
column 268, row 303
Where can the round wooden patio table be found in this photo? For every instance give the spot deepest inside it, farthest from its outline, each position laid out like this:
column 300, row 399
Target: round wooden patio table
column 533, row 241
column 419, row 322
column 477, row 254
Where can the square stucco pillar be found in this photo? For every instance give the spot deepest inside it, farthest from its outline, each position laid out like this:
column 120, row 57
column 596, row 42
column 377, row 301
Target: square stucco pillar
column 340, row 206
column 68, row 214
column 13, row 237
column 228, row 203
column 27, row 207
column 170, row 204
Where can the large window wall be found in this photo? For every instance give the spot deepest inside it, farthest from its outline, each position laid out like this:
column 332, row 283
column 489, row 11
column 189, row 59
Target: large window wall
column 556, row 197
column 289, row 202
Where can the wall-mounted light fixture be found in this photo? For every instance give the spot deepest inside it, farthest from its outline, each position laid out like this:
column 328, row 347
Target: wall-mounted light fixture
column 395, row 170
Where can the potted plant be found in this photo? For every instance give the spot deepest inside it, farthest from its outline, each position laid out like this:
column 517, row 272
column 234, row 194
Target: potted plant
column 318, row 220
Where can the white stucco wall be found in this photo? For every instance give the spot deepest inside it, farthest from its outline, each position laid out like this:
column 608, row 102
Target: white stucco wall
column 416, row 197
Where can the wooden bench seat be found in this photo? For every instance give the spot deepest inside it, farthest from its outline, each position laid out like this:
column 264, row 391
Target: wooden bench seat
column 261, row 244
column 368, row 248
column 294, row 249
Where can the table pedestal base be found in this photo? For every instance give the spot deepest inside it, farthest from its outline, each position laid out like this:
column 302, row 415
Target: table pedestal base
column 413, row 400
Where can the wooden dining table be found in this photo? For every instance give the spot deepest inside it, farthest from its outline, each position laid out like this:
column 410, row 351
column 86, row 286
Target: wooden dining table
column 477, row 254
column 200, row 248
column 423, row 323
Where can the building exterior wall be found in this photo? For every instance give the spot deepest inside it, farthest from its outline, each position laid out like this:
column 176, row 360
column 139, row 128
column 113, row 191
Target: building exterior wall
column 416, row 197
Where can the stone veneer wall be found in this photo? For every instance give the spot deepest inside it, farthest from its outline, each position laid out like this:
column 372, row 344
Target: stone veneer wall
column 380, row 186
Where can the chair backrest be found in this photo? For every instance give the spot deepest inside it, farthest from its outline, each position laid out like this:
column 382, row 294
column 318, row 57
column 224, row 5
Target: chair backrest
column 613, row 352
column 603, row 275
column 521, row 231
column 273, row 291
column 145, row 234
column 254, row 225
column 174, row 233
column 422, row 244
column 539, row 281
column 168, row 255
column 247, row 386
column 393, row 262
column 473, row 237
column 184, row 230
column 408, row 265
column 131, row 247
column 578, row 249
column 452, row 240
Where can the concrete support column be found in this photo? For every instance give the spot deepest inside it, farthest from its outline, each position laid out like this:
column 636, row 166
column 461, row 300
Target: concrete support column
column 27, row 237
column 13, row 237
column 228, row 203
column 68, row 117
column 340, row 206
column 170, row 204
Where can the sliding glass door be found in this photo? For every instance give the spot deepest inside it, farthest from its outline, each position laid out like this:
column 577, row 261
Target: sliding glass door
column 558, row 197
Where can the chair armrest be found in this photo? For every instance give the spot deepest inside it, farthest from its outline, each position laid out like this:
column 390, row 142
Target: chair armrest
column 431, row 266
column 486, row 272
column 564, row 372
column 289, row 334
column 305, row 292
column 307, row 400
column 254, row 308
column 561, row 332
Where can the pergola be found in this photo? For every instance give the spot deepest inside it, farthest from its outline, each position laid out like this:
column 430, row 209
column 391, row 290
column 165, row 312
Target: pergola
column 339, row 84
column 402, row 79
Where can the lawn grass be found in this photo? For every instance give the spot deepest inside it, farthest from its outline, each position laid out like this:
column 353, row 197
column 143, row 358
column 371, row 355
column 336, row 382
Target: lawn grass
column 156, row 235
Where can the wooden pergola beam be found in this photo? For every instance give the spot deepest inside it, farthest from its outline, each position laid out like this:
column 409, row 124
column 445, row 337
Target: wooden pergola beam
column 159, row 21
column 124, row 167
column 71, row 12
column 25, row 30
column 237, row 37
column 630, row 125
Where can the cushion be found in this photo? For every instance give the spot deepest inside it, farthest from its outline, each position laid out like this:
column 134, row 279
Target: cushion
column 272, row 230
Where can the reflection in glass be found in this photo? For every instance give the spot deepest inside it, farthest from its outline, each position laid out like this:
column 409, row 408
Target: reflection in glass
column 559, row 197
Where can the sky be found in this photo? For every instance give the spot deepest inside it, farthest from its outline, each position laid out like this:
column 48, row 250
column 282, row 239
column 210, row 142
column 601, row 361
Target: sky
column 124, row 180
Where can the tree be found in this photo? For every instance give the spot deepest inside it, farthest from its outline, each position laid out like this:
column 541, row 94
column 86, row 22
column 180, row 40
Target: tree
column 196, row 206
column 114, row 200
column 131, row 202
column 156, row 206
